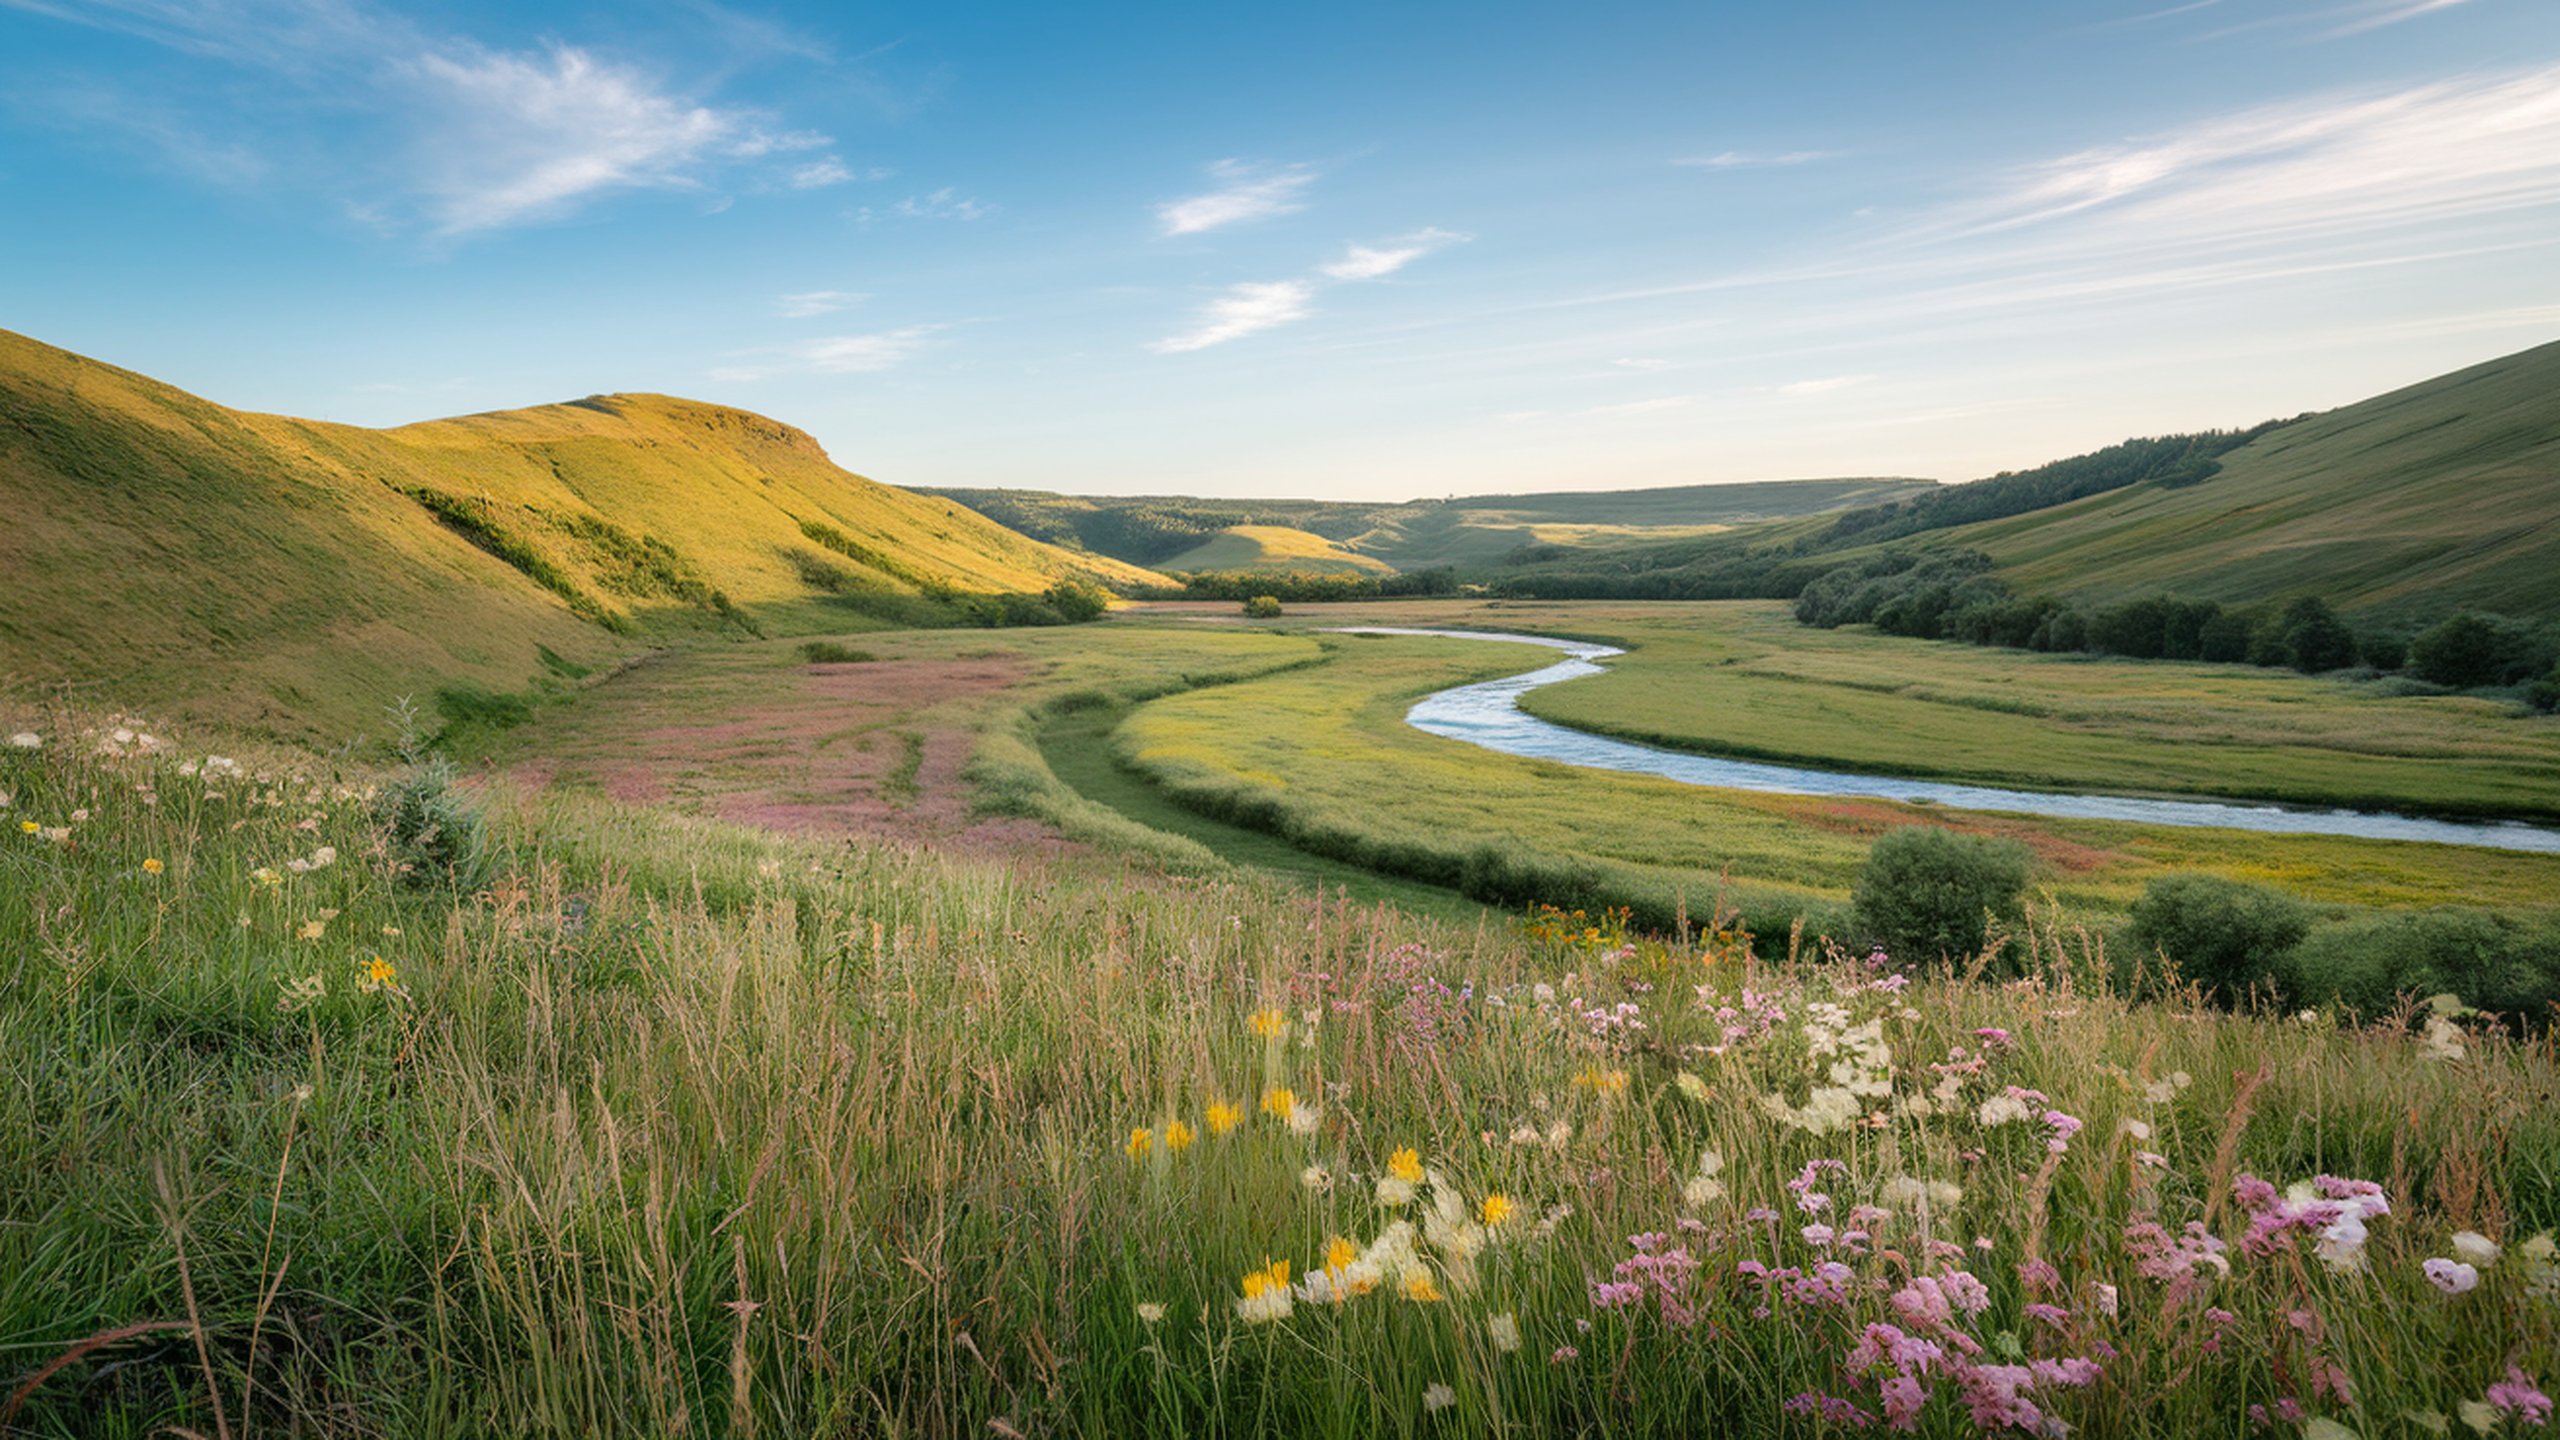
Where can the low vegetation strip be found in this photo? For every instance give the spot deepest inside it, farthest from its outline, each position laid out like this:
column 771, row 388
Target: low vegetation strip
column 584, row 1118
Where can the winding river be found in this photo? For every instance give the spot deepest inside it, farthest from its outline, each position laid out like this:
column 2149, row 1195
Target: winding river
column 1489, row 714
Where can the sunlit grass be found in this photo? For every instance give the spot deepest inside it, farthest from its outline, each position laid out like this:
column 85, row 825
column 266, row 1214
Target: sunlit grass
column 676, row 1128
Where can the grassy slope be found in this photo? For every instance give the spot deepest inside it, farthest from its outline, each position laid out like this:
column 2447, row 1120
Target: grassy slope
column 1741, row 678
column 1276, row 548
column 2441, row 495
column 272, row 571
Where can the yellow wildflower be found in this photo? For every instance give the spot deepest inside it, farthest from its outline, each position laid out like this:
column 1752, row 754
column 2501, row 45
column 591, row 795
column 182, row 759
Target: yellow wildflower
column 1278, row 1103
column 1496, row 1208
column 1406, row 1165
column 1266, row 1295
column 1177, row 1136
column 1420, row 1288
column 1224, row 1117
column 153, row 866
column 1606, row 1082
column 1270, row 1024
column 1141, row 1141
column 1339, row 1253
column 28, row 827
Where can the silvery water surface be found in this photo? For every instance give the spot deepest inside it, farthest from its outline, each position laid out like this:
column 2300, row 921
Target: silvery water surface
column 1489, row 714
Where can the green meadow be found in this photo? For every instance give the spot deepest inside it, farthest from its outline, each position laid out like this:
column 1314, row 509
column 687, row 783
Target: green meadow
column 344, row 1103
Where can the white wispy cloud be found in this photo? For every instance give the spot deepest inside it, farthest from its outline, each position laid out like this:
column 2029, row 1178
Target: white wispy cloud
column 426, row 130
column 1753, row 160
column 1245, row 309
column 2327, row 167
column 831, row 355
column 816, row 302
column 2390, row 13
column 1247, row 193
column 1821, row 385
column 1365, row 262
column 521, row 137
column 946, row 203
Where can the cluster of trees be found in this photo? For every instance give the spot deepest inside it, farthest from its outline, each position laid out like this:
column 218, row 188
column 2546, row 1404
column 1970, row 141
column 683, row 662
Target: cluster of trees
column 2173, row 461
column 1927, row 894
column 2243, row 941
column 1310, row 586
column 1953, row 596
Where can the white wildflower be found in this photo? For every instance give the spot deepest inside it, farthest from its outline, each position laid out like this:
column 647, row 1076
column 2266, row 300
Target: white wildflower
column 1150, row 1311
column 26, row 740
column 1438, row 1397
column 2475, row 1247
column 1504, row 1331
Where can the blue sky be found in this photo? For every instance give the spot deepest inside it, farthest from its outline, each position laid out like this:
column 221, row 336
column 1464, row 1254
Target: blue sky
column 1319, row 250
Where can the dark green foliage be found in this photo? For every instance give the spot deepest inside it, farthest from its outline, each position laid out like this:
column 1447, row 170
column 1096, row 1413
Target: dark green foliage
column 2493, row 962
column 2169, row 460
column 828, row 652
column 1077, row 601
column 643, row 566
column 432, row 834
column 2310, row 637
column 875, row 558
column 1311, row 587
column 2383, row 649
column 2225, row 638
column 2230, row 937
column 1926, row 893
column 2471, row 649
column 2544, row 694
column 467, row 708
column 476, row 520
column 1262, row 607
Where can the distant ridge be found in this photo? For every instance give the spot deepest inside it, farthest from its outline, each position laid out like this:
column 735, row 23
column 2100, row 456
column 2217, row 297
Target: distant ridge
column 291, row 572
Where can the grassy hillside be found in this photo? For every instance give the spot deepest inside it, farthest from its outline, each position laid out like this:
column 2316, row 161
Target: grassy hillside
column 2433, row 498
column 2403, row 508
column 1277, row 548
column 289, row 573
column 1460, row 530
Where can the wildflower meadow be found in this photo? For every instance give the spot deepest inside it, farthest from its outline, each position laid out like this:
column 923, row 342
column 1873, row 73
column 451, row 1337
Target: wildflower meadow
column 552, row 1115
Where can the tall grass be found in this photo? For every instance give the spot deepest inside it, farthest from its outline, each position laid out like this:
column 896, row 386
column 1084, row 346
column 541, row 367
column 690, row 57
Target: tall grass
column 675, row 1128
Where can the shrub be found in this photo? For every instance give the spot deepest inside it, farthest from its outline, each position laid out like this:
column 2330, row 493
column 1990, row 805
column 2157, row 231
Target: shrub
column 2472, row 649
column 1077, row 601
column 2493, row 962
column 1927, row 893
column 1262, row 607
column 828, row 652
column 2229, row 936
column 2308, row 636
column 2544, row 694
column 432, row 834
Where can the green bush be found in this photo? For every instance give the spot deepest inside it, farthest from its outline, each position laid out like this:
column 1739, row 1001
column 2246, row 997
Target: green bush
column 828, row 652
column 1927, row 893
column 2494, row 962
column 2544, row 694
column 433, row 834
column 2229, row 936
column 2472, row 649
column 1077, row 601
column 1262, row 607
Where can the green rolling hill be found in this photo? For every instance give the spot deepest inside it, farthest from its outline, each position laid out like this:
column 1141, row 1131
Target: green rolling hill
column 2404, row 508
column 162, row 549
column 1472, row 531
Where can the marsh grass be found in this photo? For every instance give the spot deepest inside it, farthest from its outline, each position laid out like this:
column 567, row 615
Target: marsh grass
column 675, row 1128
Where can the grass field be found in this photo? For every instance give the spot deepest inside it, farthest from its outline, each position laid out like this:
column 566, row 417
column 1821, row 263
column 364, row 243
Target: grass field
column 1743, row 679
column 667, row 1127
column 1321, row 755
